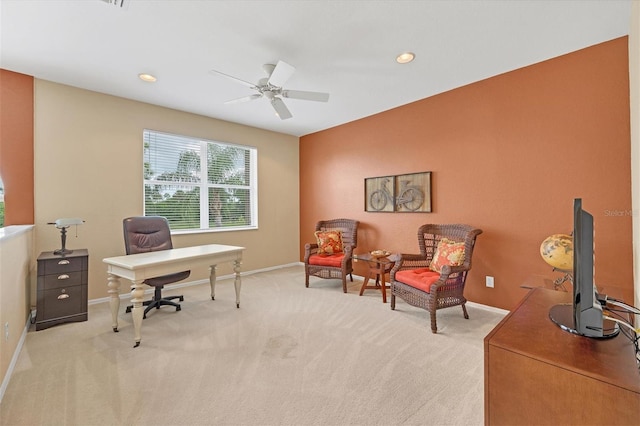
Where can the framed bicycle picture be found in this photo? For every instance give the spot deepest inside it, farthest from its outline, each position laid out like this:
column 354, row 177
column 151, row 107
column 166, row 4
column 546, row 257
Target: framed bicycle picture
column 409, row 193
column 413, row 192
column 379, row 194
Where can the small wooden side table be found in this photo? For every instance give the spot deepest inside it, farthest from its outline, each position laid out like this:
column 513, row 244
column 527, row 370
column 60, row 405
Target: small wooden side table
column 378, row 267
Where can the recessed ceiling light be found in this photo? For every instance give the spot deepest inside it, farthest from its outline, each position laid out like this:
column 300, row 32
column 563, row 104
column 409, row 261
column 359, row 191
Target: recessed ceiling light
column 405, row 58
column 147, row 77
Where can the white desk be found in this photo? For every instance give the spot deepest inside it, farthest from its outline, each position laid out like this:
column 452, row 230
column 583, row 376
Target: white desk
column 139, row 267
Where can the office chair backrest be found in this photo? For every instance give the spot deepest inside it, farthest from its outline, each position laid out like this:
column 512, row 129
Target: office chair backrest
column 146, row 233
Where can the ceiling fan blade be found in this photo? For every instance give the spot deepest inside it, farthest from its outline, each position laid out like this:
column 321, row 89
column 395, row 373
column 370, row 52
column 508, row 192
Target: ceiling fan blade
column 237, row 80
column 244, row 99
column 307, row 96
column 281, row 108
column 281, row 73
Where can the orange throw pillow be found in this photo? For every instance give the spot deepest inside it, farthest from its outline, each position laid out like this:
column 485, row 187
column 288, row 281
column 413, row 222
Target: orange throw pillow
column 329, row 242
column 447, row 253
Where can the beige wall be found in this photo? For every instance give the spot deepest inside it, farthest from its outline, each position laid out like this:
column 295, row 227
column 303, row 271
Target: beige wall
column 88, row 164
column 16, row 271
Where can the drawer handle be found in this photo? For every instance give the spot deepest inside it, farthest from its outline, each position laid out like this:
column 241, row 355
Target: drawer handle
column 63, row 277
column 63, row 296
column 63, row 262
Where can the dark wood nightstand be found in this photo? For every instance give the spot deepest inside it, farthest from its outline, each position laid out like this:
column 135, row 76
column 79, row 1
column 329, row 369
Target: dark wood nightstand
column 62, row 288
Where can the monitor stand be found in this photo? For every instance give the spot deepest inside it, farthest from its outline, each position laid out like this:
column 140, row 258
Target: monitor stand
column 562, row 315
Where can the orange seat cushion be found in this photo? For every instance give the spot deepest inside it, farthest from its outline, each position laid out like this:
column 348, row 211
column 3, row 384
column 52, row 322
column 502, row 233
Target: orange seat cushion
column 419, row 278
column 326, row 259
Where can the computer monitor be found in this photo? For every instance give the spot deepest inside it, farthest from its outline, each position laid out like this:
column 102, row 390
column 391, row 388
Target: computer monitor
column 584, row 315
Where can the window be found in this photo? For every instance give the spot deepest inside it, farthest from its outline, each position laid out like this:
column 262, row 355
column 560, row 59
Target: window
column 199, row 184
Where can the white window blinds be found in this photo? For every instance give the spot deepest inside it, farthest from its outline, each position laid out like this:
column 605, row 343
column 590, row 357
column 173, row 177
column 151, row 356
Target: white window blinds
column 199, row 184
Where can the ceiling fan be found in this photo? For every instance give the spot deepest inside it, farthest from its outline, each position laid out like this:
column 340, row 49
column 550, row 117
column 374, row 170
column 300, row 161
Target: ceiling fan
column 270, row 87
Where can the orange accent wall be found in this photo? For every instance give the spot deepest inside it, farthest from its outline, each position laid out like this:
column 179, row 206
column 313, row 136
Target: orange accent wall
column 16, row 146
column 508, row 155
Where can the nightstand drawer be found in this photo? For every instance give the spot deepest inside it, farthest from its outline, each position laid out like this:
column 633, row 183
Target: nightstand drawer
column 61, row 302
column 61, row 265
column 65, row 279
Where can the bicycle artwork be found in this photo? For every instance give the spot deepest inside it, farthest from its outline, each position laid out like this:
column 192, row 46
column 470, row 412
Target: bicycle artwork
column 403, row 193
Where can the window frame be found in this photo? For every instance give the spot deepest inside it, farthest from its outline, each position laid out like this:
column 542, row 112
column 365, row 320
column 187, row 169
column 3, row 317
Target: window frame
column 204, row 185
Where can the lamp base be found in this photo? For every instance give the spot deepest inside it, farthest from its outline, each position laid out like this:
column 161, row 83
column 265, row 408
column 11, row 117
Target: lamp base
column 62, row 251
column 63, row 239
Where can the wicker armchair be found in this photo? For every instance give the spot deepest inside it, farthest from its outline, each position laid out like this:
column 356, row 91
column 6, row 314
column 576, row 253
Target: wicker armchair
column 337, row 265
column 425, row 288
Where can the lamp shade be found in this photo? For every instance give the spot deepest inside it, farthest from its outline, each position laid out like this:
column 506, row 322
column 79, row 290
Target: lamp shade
column 557, row 251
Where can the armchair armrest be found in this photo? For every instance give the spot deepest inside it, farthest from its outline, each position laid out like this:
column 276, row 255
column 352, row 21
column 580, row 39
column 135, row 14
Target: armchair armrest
column 309, row 249
column 450, row 276
column 348, row 253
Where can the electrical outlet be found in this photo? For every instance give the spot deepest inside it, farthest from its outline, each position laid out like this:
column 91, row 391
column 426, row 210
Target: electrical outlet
column 6, row 331
column 489, row 281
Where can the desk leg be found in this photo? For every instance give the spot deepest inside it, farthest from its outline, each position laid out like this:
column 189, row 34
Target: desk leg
column 212, row 280
column 137, row 294
column 113, row 282
column 237, row 282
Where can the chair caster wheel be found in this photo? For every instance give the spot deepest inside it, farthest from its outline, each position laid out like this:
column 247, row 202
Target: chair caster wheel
column 178, row 308
column 128, row 310
column 182, row 298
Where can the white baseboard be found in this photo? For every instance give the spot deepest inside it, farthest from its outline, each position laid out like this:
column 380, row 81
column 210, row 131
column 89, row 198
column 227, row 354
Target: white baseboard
column 488, row 308
column 474, row 304
column 14, row 359
column 127, row 295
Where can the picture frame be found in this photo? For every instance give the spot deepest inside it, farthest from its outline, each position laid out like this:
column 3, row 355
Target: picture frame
column 406, row 193
column 379, row 194
column 413, row 193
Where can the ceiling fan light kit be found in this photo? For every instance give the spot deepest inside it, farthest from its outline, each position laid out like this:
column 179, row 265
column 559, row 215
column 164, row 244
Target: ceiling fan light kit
column 271, row 87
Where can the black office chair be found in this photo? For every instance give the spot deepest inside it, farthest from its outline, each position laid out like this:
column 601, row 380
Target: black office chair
column 151, row 233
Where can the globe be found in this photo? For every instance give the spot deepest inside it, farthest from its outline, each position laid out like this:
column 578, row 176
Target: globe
column 557, row 251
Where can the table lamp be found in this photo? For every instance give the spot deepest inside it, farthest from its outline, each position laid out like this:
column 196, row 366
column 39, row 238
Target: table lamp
column 62, row 225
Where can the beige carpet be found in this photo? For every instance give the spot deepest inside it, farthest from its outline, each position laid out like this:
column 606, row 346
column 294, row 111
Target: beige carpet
column 289, row 356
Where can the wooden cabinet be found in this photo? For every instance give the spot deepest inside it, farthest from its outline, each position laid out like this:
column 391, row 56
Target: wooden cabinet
column 539, row 374
column 62, row 288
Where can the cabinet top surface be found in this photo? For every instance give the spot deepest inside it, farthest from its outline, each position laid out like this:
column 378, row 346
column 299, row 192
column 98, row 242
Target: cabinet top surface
column 46, row 255
column 529, row 331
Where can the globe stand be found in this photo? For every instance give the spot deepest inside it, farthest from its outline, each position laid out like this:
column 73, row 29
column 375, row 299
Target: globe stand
column 558, row 283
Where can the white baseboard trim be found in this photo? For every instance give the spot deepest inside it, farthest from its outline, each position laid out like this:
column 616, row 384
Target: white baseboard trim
column 14, row 359
column 488, row 308
column 127, row 295
column 474, row 304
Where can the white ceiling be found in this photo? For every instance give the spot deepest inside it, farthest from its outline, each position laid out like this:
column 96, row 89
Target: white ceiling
column 346, row 48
